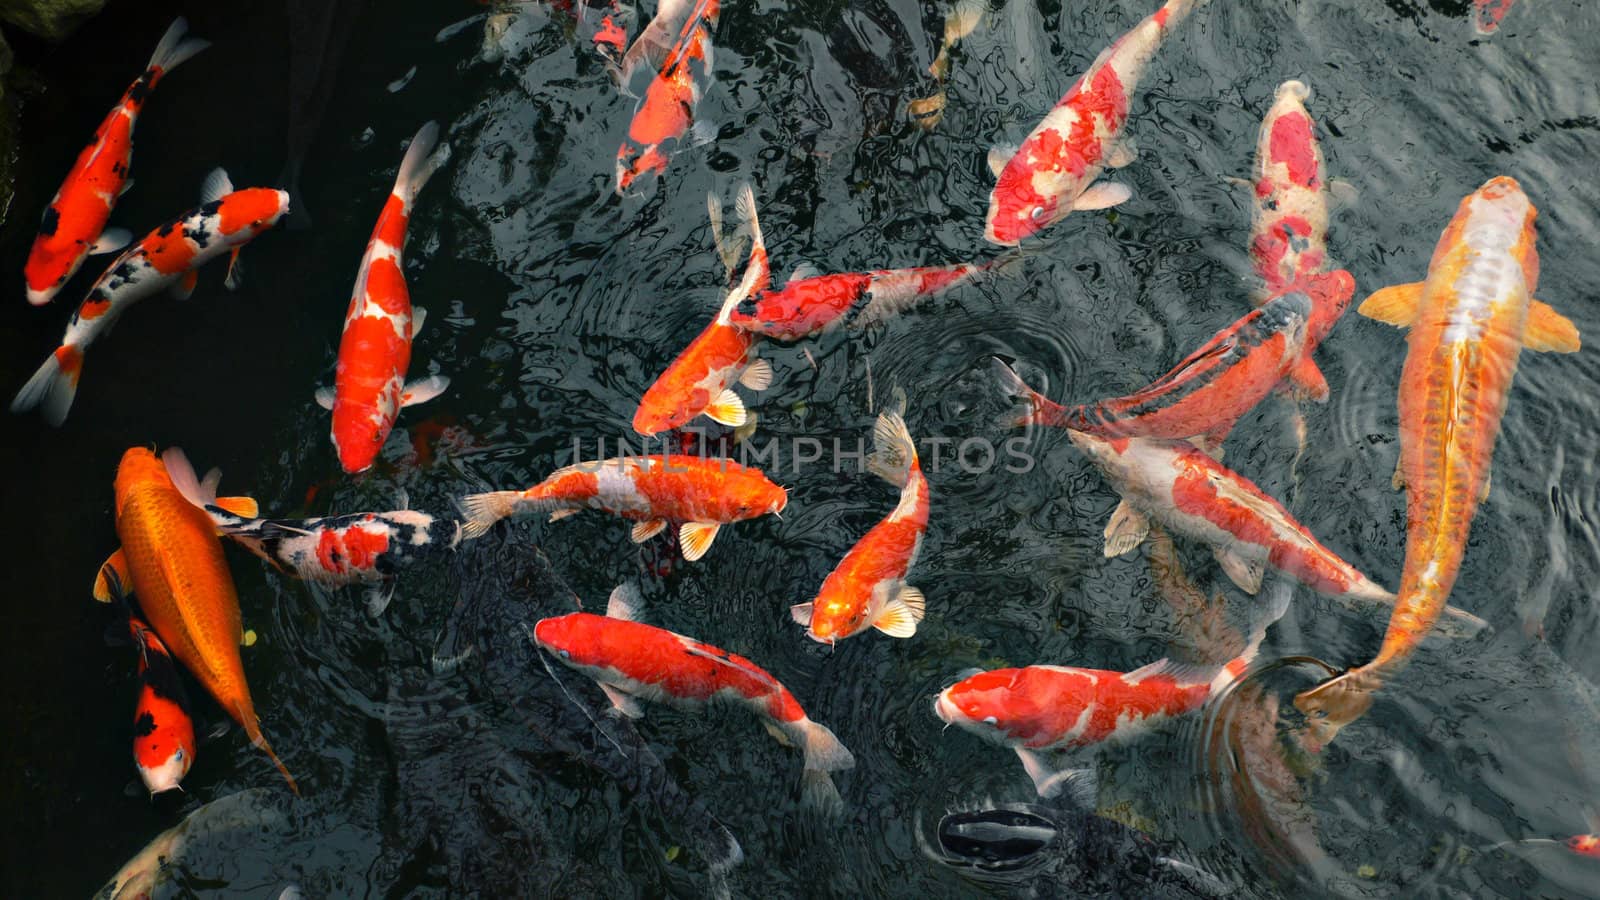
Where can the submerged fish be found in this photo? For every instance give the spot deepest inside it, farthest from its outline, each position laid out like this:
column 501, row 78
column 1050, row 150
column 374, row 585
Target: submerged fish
column 74, row 224
column 1469, row 321
column 162, row 861
column 633, row 661
column 960, row 20
column 1037, row 709
column 369, row 387
column 698, row 381
column 677, row 46
column 702, row 493
column 1206, row 393
column 173, row 561
column 169, row 257
column 1289, row 218
column 809, row 305
column 1053, row 171
column 867, row 589
column 1486, row 14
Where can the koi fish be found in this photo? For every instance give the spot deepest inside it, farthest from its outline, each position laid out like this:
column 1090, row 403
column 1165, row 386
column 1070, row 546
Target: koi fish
column 812, row 304
column 172, row 559
column 1289, row 219
column 361, row 548
column 632, row 661
column 163, row 727
column 959, row 21
column 1205, row 394
column 1053, row 172
column 868, row 588
column 369, row 384
column 677, row 44
column 1038, row 709
column 1486, row 14
column 74, row 224
column 169, row 257
column 1469, row 321
column 700, row 492
column 698, row 380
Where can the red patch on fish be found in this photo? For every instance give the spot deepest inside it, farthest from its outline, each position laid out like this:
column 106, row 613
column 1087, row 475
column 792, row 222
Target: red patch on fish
column 1294, row 145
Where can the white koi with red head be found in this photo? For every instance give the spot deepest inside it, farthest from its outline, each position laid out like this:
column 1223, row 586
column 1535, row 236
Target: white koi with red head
column 1289, row 222
column 369, row 387
column 1053, row 171
column 634, row 661
column 168, row 257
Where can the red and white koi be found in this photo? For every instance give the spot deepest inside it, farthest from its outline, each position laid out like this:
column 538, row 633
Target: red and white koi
column 1054, row 171
column 1039, row 709
column 700, row 492
column 1469, row 321
column 163, row 729
column 1204, row 395
column 169, row 257
column 1289, row 220
column 1487, row 14
column 699, row 380
column 369, row 384
column 632, row 661
column 868, row 588
column 809, row 304
column 677, row 45
column 74, row 224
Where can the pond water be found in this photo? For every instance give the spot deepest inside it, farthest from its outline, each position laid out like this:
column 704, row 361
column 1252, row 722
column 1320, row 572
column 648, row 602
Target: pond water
column 554, row 304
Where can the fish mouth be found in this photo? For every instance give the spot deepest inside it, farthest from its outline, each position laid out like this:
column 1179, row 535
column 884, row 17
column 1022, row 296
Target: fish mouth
column 945, row 709
column 41, row 297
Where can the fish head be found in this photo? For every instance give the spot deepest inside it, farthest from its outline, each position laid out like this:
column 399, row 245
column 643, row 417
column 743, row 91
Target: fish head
column 53, row 259
column 166, row 774
column 568, row 637
column 1024, row 201
column 635, row 161
column 833, row 619
column 244, row 214
column 1585, row 845
column 356, row 443
column 980, row 703
column 139, row 467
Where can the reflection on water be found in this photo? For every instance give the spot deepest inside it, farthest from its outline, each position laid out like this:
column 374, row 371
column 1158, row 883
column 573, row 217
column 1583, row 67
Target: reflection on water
column 553, row 304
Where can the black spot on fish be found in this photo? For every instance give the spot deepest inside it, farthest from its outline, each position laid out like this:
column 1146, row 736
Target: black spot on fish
column 166, row 229
column 144, row 726
column 50, row 221
column 141, row 88
column 210, row 209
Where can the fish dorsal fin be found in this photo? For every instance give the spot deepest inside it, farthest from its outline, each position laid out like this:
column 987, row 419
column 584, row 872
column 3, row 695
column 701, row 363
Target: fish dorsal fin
column 1126, row 530
column 804, row 271
column 1549, row 331
column 216, row 186
column 721, row 658
column 999, row 156
column 624, row 603
column 1181, row 673
column 1396, row 304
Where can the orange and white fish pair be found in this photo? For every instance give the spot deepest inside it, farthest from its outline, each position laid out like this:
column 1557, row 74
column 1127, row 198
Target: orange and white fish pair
column 169, row 257
column 700, row 379
column 868, row 588
column 1469, row 321
column 74, row 224
column 369, row 385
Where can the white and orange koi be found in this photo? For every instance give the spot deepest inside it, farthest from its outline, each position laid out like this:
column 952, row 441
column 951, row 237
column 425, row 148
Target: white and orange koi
column 700, row 492
column 868, row 588
column 677, row 45
column 699, row 380
column 1054, row 171
column 369, row 385
column 169, row 257
column 1469, row 322
column 633, row 661
column 74, row 224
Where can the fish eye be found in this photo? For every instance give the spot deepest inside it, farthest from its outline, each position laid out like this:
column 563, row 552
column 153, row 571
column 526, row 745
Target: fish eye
column 1037, row 214
column 565, row 655
column 990, row 720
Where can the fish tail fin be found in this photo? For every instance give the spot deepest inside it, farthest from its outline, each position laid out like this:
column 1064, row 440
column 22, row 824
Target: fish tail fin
column 1337, row 702
column 1282, row 591
column 757, row 275
column 420, row 162
column 483, row 510
column 175, row 47
column 1296, row 89
column 823, row 750
column 818, row 794
column 1035, row 408
column 894, row 454
column 253, row 731
column 53, row 386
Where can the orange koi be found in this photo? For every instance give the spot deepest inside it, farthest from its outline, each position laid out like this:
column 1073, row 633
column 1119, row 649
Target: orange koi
column 683, row 67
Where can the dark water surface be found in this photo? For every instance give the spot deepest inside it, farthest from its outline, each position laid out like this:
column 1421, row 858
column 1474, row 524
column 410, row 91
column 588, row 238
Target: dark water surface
column 553, row 305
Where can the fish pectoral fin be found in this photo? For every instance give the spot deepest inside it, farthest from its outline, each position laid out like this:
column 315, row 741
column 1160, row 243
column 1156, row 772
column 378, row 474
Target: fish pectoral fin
column 418, row 316
column 801, row 613
column 1123, row 152
column 727, row 409
column 1102, row 195
column 423, row 389
column 560, row 514
column 1246, row 573
column 1126, row 530
column 999, row 156
column 110, row 241
column 644, row 531
column 914, row 601
column 896, row 619
column 1308, row 380
column 324, row 397
column 235, row 276
column 622, row 702
column 1398, row 480
column 378, row 597
column 243, row 507
column 247, row 638
column 1396, row 304
column 216, row 186
column 624, row 603
column 185, row 285
column 1549, row 331
column 757, row 376
column 1343, row 193
column 695, row 538
column 1080, row 785
column 113, row 580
